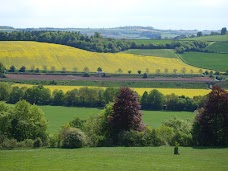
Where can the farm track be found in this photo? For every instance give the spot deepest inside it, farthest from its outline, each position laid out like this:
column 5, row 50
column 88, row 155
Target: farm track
column 92, row 78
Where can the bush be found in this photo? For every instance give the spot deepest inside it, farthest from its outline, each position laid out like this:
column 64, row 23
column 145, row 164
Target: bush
column 85, row 74
column 28, row 143
column 8, row 144
column 53, row 141
column 37, row 142
column 72, row 138
column 134, row 138
column 145, row 75
column 165, row 134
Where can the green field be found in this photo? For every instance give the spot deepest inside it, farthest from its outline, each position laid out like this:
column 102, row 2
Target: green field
column 219, row 47
column 152, row 41
column 167, row 53
column 213, row 61
column 215, row 38
column 115, row 158
column 58, row 116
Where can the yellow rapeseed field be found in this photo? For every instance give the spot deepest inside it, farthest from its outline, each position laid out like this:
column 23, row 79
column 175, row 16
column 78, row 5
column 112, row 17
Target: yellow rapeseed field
column 140, row 91
column 41, row 55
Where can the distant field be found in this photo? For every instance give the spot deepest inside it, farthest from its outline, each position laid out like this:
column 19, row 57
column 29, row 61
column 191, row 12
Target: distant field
column 140, row 91
column 211, row 61
column 215, row 38
column 219, row 47
column 116, row 158
column 58, row 56
column 58, row 116
column 151, row 41
column 167, row 53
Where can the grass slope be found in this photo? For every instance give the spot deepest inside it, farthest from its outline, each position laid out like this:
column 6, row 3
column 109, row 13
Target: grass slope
column 115, row 158
column 45, row 54
column 215, row 38
column 221, row 47
column 167, row 53
column 213, row 61
column 58, row 116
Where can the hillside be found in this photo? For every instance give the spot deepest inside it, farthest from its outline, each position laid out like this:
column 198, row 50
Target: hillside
column 42, row 55
column 213, row 61
column 215, row 38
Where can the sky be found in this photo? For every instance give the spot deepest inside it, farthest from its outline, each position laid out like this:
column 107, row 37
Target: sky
column 161, row 14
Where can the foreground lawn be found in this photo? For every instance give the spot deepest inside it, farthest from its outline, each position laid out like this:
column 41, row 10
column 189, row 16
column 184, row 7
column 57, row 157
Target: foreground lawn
column 58, row 116
column 117, row 158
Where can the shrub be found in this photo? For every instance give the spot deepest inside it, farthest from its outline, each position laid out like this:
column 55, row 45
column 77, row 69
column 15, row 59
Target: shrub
column 9, row 144
column 28, row 143
column 78, row 123
column 53, row 141
column 165, row 134
column 134, row 138
column 86, row 74
column 37, row 142
column 72, row 138
column 145, row 75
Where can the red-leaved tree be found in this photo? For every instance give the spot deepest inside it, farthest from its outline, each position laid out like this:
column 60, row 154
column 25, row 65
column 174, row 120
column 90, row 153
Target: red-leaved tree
column 126, row 113
column 211, row 124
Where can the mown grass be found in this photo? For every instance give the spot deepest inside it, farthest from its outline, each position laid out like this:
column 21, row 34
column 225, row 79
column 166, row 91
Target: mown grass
column 58, row 56
column 115, row 158
column 215, row 38
column 58, row 116
column 213, row 61
column 167, row 53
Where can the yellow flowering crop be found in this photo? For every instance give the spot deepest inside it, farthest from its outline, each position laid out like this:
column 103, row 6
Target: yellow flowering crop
column 55, row 56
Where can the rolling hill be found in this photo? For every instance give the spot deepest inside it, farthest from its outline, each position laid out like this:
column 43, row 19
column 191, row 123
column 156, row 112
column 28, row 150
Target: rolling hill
column 41, row 55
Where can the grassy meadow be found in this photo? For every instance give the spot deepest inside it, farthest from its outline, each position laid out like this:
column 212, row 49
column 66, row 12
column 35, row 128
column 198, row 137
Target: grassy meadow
column 219, row 47
column 214, row 38
column 213, row 61
column 58, row 56
column 140, row 91
column 58, row 116
column 115, row 158
column 167, row 53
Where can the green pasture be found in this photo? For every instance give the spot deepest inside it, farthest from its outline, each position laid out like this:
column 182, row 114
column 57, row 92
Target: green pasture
column 215, row 38
column 213, row 61
column 115, row 158
column 152, row 41
column 167, row 53
column 58, row 116
column 221, row 47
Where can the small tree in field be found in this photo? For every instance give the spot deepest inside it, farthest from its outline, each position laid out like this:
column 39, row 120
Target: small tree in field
column 119, row 71
column 129, row 72
column 158, row 71
column 99, row 69
column 147, row 70
column 126, row 113
column 139, row 72
column 175, row 71
column 63, row 70
column 75, row 69
column 183, row 70
column 52, row 69
column 200, row 71
column 12, row 68
column 86, row 69
column 166, row 71
column 22, row 69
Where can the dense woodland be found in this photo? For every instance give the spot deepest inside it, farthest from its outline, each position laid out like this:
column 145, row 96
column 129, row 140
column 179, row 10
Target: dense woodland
column 97, row 43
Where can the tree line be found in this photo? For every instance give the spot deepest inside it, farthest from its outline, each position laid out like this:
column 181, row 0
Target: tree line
column 95, row 97
column 119, row 124
column 97, row 43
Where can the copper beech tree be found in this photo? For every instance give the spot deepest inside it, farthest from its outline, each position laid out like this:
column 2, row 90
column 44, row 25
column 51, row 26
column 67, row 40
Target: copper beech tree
column 126, row 113
column 211, row 124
